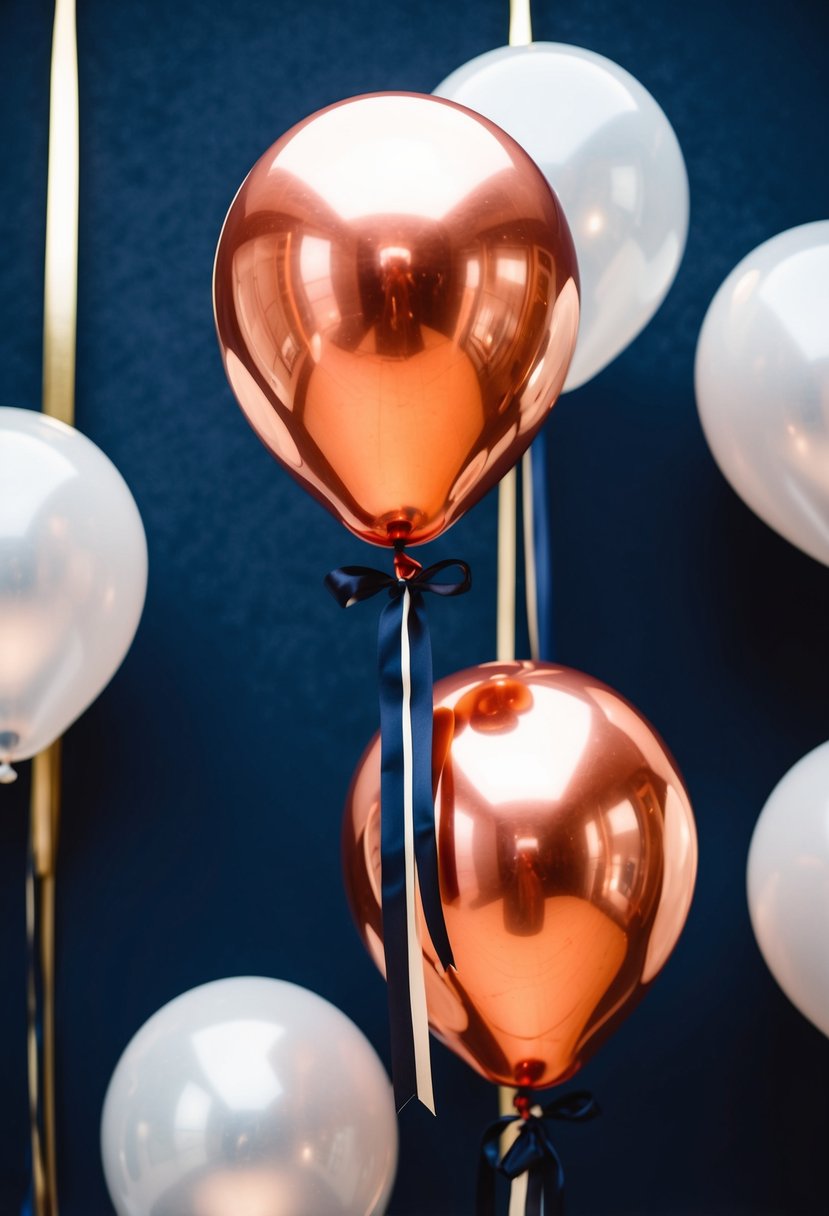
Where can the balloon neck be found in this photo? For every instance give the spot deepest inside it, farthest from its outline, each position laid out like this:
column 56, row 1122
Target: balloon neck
column 523, row 1103
column 7, row 773
column 405, row 567
column 528, row 1073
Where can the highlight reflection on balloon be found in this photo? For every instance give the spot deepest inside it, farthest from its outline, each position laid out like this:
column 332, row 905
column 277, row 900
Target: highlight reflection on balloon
column 73, row 574
column 762, row 383
column 396, row 300
column 249, row 1097
column 567, row 853
column 788, row 885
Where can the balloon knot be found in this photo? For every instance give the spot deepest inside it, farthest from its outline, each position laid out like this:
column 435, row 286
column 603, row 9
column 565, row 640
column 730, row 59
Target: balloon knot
column 523, row 1103
column 7, row 773
column 405, row 567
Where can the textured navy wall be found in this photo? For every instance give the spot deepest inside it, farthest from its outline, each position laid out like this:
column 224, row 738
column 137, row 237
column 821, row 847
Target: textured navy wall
column 203, row 790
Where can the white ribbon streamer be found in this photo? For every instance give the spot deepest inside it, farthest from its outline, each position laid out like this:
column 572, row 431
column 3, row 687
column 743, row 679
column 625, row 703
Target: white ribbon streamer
column 518, row 1195
column 417, row 982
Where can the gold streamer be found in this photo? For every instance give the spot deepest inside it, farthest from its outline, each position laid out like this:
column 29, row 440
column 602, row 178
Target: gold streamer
column 59, row 343
column 520, row 34
column 520, row 23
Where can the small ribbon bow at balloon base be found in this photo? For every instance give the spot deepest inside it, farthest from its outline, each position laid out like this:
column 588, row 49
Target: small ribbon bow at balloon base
column 408, row 843
column 531, row 1163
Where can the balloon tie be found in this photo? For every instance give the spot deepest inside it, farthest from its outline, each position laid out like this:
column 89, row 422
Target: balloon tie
column 408, row 843
column 7, row 773
column 531, row 1163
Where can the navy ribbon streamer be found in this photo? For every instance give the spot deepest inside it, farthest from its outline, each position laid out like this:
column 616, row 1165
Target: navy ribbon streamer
column 351, row 585
column 532, row 1153
column 542, row 546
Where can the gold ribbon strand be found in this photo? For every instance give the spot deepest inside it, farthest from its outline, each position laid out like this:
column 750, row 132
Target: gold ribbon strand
column 60, row 297
column 520, row 34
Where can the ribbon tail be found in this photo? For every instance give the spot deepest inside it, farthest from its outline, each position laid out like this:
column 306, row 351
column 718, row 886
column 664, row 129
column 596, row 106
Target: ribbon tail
column 542, row 545
column 534, row 1193
column 549, row 1183
column 426, row 851
column 519, row 1197
column 485, row 1188
column 553, row 1192
column 411, row 1056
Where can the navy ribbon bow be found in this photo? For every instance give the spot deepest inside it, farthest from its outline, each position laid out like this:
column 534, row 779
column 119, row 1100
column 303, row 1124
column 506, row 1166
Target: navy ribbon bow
column 532, row 1153
column 408, row 844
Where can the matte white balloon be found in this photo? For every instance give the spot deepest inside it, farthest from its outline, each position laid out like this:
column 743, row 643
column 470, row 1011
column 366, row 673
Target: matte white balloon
column 612, row 158
column 73, row 576
column 762, row 382
column 788, row 885
column 249, row 1097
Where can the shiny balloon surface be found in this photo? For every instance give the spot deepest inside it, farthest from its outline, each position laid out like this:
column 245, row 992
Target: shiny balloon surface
column 249, row 1097
column 73, row 575
column 612, row 158
column 788, row 885
column 396, row 300
column 762, row 383
column 567, row 853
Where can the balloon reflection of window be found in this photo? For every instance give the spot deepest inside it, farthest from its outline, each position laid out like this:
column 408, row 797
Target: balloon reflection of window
column 317, row 285
column 622, row 842
column 625, row 858
column 231, row 1056
column 266, row 309
column 512, row 268
column 503, row 303
column 469, row 294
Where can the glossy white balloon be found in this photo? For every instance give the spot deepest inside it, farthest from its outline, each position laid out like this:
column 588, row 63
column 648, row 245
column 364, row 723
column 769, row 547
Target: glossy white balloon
column 788, row 885
column 762, row 382
column 612, row 157
column 249, row 1097
column 73, row 575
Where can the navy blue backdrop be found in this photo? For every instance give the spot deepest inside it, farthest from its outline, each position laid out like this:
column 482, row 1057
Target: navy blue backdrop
column 203, row 790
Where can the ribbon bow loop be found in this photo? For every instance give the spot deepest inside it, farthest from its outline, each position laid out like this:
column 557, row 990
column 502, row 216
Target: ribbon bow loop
column 576, row 1107
column 352, row 584
column 532, row 1153
column 532, row 1147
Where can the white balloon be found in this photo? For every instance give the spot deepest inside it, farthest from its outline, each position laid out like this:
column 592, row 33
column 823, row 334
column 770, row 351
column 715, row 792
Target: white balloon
column 249, row 1097
column 612, row 158
column 73, row 575
column 762, row 382
column 788, row 885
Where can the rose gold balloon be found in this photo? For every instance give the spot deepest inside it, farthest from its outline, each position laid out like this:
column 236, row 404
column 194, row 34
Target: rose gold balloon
column 396, row 300
column 567, row 855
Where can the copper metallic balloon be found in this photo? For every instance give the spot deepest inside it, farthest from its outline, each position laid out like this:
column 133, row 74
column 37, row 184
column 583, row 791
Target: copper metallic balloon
column 396, row 300
column 567, row 854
